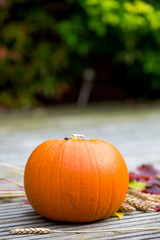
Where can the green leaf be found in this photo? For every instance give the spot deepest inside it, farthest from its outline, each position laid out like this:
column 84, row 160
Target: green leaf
column 137, row 185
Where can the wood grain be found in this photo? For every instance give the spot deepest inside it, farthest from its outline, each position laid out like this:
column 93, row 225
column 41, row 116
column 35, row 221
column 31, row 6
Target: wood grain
column 18, row 215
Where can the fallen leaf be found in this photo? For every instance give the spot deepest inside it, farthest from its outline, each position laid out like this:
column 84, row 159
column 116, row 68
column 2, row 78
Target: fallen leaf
column 158, row 176
column 153, row 180
column 132, row 176
column 26, row 202
column 157, row 209
column 137, row 185
column 118, row 214
column 147, row 170
column 153, row 190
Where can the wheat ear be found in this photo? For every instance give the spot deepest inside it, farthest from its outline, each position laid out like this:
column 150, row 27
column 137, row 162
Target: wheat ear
column 126, row 207
column 47, row 230
column 144, row 196
column 139, row 204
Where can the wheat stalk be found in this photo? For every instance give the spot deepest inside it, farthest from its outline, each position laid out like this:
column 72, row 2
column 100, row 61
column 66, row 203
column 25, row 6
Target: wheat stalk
column 139, row 204
column 12, row 182
column 47, row 230
column 144, row 196
column 12, row 195
column 126, row 207
column 136, row 200
column 30, row 231
column 21, row 170
column 17, row 172
column 12, row 192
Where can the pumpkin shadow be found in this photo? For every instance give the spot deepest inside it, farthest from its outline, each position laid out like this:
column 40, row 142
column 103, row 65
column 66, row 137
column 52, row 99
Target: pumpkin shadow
column 73, row 224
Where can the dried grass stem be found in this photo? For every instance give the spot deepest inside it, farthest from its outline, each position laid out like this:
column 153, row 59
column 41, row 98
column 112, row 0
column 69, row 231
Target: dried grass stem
column 47, row 230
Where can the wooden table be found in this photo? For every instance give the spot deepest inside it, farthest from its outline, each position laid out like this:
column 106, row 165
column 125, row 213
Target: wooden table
column 134, row 131
column 15, row 214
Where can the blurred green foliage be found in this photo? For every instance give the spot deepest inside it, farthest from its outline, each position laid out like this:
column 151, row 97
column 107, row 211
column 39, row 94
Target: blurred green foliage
column 45, row 46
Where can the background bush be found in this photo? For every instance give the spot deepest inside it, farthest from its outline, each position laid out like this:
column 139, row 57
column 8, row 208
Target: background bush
column 45, row 46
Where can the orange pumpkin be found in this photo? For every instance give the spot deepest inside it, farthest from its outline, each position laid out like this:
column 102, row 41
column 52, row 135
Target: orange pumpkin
column 76, row 180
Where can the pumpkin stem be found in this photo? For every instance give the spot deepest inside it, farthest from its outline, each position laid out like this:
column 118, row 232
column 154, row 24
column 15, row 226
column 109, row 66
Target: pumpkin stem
column 75, row 136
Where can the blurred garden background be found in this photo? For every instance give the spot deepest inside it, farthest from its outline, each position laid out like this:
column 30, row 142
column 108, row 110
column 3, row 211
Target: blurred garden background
column 59, row 52
column 58, row 55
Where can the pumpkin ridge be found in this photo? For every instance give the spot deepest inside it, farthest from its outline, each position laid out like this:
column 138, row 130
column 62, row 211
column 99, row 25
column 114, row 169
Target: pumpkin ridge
column 60, row 174
column 124, row 165
column 75, row 206
column 57, row 145
column 97, row 201
column 79, row 194
column 120, row 196
column 113, row 149
column 38, row 178
column 110, row 200
column 117, row 164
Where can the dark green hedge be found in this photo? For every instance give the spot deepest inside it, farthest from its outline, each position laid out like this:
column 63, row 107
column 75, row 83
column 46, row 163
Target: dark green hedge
column 46, row 45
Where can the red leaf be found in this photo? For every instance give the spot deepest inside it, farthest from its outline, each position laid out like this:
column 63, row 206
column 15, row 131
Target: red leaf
column 144, row 191
column 147, row 170
column 158, row 176
column 145, row 179
column 133, row 176
column 157, row 209
column 153, row 180
column 153, row 189
column 26, row 202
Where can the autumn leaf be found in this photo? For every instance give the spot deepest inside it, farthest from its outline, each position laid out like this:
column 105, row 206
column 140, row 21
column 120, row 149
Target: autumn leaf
column 26, row 202
column 147, row 180
column 157, row 209
column 137, row 185
column 147, row 170
column 152, row 189
column 118, row 214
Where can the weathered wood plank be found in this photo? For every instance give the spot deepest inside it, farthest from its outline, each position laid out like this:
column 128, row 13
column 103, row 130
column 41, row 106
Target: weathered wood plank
column 13, row 215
